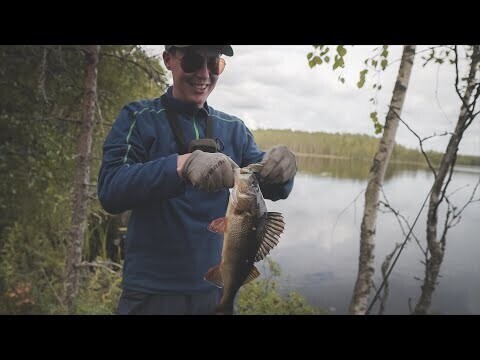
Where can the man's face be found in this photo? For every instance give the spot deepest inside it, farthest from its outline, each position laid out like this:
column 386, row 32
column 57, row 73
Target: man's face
column 193, row 82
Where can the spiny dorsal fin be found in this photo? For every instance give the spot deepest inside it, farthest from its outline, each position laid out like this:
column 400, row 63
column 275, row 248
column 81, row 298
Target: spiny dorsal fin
column 254, row 273
column 214, row 275
column 269, row 230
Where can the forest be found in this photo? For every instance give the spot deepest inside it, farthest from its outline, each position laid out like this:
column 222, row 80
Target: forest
column 60, row 252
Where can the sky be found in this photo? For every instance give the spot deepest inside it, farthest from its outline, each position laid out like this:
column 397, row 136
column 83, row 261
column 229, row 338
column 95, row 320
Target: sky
column 272, row 87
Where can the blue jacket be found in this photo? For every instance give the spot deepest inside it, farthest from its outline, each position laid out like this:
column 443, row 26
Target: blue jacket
column 168, row 246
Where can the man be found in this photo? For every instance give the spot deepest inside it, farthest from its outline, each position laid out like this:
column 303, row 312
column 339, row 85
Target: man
column 170, row 160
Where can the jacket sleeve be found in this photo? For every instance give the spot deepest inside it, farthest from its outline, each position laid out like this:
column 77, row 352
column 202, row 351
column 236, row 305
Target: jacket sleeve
column 252, row 154
column 127, row 179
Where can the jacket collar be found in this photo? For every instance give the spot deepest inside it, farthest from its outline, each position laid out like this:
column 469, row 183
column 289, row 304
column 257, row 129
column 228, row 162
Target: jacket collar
column 184, row 107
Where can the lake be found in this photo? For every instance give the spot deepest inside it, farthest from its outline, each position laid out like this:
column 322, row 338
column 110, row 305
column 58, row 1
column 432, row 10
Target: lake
column 318, row 252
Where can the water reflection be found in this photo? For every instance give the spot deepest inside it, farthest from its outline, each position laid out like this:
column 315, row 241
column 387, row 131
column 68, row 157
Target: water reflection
column 318, row 252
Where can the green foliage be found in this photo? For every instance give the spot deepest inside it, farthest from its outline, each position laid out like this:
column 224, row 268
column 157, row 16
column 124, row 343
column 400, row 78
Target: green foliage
column 41, row 93
column 439, row 55
column 376, row 63
column 341, row 51
column 320, row 58
column 361, row 82
column 320, row 55
column 31, row 264
column 384, row 64
column 261, row 297
column 100, row 292
column 450, row 54
column 376, row 123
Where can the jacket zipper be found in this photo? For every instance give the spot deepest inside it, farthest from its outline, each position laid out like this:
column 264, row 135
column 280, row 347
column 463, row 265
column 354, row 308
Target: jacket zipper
column 195, row 128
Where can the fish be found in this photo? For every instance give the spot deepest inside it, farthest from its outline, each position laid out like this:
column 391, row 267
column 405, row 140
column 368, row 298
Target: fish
column 250, row 233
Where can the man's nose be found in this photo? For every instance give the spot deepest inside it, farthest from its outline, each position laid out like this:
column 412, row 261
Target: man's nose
column 203, row 71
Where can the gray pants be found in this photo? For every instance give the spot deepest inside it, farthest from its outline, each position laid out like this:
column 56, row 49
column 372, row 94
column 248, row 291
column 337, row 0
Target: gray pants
column 137, row 303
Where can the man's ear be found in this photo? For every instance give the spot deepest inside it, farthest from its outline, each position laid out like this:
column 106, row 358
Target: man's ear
column 167, row 59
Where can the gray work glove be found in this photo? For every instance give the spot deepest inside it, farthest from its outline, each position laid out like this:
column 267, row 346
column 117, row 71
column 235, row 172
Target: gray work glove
column 209, row 171
column 279, row 165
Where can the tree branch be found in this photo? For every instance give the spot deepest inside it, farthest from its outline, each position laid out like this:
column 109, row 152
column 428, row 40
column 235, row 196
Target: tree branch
column 345, row 209
column 418, row 52
column 42, row 77
column 475, row 55
column 436, row 95
column 419, row 140
column 101, row 264
column 400, row 216
column 59, row 299
column 149, row 70
column 457, row 214
column 384, row 269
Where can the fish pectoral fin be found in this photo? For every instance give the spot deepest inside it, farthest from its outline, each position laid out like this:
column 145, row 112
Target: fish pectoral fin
column 254, row 273
column 214, row 275
column 218, row 226
column 270, row 228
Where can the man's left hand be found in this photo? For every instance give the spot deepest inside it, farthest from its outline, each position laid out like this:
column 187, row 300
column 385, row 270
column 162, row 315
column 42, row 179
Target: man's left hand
column 279, row 165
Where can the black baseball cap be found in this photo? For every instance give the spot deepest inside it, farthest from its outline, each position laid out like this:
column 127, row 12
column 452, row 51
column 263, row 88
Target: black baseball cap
column 224, row 49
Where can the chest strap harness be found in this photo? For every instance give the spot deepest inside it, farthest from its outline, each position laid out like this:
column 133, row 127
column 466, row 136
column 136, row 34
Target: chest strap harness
column 209, row 144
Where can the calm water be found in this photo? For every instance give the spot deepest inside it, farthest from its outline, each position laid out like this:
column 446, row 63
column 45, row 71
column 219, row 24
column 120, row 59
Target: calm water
column 318, row 252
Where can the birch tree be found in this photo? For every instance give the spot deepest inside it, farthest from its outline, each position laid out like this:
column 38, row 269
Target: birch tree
column 364, row 281
column 437, row 242
column 363, row 285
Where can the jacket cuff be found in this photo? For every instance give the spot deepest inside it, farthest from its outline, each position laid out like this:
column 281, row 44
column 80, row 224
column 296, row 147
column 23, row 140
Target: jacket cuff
column 175, row 185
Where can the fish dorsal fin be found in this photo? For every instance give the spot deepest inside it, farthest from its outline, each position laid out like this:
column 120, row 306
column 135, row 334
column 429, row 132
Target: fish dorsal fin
column 254, row 273
column 214, row 275
column 270, row 228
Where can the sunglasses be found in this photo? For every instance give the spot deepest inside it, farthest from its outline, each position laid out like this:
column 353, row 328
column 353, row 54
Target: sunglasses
column 193, row 61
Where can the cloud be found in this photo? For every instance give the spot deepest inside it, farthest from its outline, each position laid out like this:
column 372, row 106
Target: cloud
column 273, row 87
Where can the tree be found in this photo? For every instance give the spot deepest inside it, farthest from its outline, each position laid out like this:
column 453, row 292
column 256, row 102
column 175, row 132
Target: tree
column 381, row 159
column 363, row 285
column 82, row 178
column 434, row 251
column 436, row 245
column 41, row 89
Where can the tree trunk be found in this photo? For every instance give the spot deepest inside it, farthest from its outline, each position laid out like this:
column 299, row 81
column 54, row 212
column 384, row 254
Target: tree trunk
column 363, row 285
column 435, row 247
column 82, row 179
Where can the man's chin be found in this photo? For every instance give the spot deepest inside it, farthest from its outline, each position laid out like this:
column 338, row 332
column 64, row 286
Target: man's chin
column 199, row 100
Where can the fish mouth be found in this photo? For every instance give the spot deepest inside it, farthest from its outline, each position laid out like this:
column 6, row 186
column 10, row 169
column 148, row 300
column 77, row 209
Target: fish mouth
column 254, row 168
column 248, row 194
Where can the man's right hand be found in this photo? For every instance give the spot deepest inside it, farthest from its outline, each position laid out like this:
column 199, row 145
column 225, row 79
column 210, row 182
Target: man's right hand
column 207, row 171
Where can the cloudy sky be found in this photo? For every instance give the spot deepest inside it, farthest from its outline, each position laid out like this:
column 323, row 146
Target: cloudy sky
column 272, row 86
